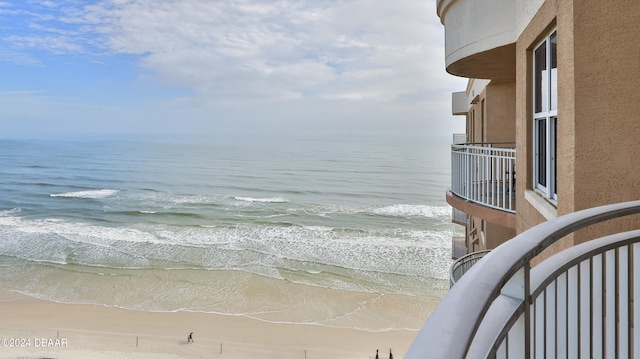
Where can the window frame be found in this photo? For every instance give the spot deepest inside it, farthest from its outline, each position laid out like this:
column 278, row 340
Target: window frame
column 545, row 118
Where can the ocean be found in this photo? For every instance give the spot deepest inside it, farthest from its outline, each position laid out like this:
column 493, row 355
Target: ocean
column 345, row 231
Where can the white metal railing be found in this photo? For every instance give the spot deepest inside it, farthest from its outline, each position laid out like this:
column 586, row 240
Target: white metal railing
column 485, row 174
column 463, row 264
column 583, row 302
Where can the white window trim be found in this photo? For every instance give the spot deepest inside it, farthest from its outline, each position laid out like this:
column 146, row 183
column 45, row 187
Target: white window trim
column 541, row 205
column 550, row 116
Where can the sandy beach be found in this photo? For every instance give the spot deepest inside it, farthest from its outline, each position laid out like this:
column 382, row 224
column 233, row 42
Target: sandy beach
column 317, row 247
column 32, row 328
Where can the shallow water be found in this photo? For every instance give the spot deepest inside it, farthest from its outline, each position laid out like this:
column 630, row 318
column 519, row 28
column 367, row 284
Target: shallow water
column 350, row 231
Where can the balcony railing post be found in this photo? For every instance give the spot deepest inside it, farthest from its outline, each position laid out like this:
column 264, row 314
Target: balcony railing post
column 467, row 171
column 519, row 288
column 527, row 310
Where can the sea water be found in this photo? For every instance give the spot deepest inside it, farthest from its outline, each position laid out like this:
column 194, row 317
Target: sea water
column 348, row 231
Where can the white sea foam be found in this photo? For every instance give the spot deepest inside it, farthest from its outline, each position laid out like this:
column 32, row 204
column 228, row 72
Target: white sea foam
column 395, row 210
column 173, row 199
column 257, row 249
column 10, row 212
column 319, row 228
column 262, row 200
column 89, row 194
column 408, row 210
column 191, row 199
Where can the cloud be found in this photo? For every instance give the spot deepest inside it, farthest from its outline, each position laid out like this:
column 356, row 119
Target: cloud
column 355, row 50
column 219, row 47
column 18, row 57
column 358, row 61
column 54, row 44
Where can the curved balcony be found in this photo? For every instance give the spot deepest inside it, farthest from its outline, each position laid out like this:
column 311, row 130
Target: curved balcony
column 463, row 264
column 582, row 302
column 483, row 181
column 480, row 37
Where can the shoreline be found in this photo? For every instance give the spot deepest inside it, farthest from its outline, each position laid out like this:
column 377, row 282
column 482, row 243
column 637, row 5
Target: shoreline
column 87, row 330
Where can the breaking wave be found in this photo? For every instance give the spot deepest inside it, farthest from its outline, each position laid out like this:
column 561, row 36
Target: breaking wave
column 89, row 194
column 262, row 200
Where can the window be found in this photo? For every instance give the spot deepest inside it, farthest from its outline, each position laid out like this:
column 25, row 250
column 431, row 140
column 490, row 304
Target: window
column 545, row 116
column 483, row 113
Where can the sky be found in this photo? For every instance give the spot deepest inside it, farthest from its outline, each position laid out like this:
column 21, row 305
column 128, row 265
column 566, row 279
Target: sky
column 207, row 66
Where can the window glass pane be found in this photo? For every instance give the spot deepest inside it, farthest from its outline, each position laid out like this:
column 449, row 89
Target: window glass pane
column 540, row 78
column 541, row 151
column 554, row 148
column 553, row 40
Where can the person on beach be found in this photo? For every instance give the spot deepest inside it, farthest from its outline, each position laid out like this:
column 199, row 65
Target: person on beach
column 377, row 357
column 190, row 338
column 390, row 354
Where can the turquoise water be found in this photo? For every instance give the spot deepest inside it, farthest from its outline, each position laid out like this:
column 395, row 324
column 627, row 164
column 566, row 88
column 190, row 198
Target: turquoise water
column 340, row 231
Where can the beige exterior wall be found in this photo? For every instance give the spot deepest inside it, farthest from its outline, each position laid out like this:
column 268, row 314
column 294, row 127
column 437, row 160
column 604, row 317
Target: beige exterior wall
column 501, row 111
column 598, row 112
column 529, row 212
column 606, row 125
column 598, row 134
column 497, row 234
column 491, row 116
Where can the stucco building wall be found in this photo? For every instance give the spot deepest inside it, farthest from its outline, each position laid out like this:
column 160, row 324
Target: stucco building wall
column 598, row 112
column 501, row 110
column 607, row 123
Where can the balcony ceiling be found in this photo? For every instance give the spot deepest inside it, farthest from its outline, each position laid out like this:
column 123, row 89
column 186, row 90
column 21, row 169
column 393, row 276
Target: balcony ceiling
column 496, row 64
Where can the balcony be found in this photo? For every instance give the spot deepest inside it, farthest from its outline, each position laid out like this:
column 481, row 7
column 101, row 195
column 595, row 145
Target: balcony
column 484, row 174
column 463, row 264
column 480, row 37
column 583, row 302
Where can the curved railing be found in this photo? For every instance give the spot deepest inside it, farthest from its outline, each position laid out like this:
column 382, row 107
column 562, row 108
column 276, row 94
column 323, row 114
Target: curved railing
column 485, row 173
column 463, row 264
column 581, row 302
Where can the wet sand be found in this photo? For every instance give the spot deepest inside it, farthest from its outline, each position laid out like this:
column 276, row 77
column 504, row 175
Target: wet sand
column 38, row 328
